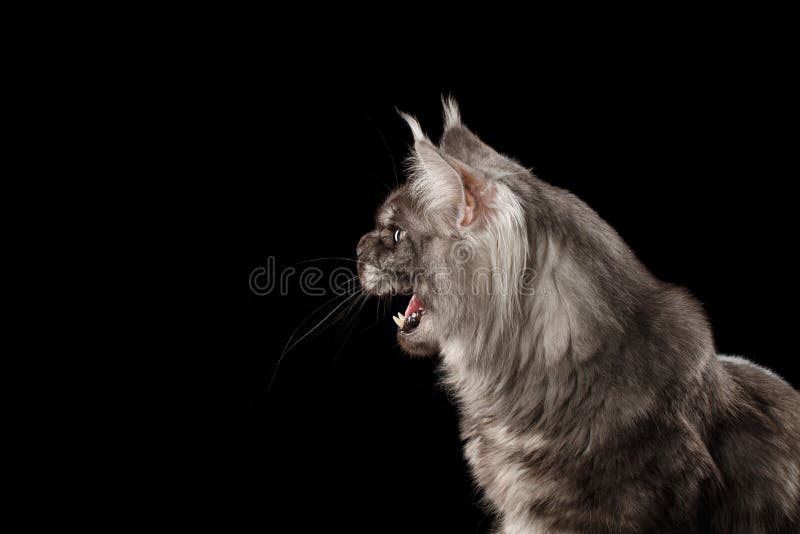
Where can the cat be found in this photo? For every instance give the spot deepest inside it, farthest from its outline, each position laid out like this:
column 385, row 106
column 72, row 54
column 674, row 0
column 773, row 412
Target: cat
column 590, row 395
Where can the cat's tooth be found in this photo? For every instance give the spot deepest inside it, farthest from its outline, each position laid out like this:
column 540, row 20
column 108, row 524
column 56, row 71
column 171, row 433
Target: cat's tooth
column 399, row 322
column 401, row 316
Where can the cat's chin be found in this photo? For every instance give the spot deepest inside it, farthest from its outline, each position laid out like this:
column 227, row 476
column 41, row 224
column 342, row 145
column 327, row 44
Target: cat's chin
column 419, row 343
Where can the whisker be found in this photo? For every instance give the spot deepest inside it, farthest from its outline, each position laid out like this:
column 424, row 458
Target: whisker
column 344, row 315
column 347, row 283
column 373, row 323
column 289, row 345
column 388, row 148
column 350, row 326
column 348, row 298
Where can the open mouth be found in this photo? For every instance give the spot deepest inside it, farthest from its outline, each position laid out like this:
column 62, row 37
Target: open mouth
column 409, row 321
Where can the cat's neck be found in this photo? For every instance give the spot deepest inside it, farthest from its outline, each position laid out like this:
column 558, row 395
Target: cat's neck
column 594, row 310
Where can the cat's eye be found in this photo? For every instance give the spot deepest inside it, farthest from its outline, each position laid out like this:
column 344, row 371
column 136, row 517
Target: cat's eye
column 398, row 235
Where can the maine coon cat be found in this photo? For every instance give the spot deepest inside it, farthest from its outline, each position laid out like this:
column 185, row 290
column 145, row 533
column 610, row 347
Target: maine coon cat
column 591, row 396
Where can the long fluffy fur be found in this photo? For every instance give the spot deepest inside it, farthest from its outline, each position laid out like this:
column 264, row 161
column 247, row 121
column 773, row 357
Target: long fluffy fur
column 595, row 401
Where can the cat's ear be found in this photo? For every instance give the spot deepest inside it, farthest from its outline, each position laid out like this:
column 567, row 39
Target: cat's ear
column 459, row 142
column 445, row 184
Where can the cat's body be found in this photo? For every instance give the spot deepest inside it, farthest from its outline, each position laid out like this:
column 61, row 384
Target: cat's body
column 591, row 396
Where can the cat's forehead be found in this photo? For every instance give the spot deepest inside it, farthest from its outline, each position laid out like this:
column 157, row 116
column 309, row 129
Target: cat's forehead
column 396, row 206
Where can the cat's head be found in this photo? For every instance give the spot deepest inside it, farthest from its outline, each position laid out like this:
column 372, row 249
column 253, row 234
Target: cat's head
column 452, row 238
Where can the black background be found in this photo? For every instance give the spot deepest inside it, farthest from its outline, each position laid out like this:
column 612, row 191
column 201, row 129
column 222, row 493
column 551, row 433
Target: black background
column 686, row 154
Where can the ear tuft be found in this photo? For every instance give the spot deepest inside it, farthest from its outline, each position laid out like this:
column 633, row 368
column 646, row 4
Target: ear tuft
column 452, row 116
column 413, row 123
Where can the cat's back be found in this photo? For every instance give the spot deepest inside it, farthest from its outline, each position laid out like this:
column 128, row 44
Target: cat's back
column 755, row 443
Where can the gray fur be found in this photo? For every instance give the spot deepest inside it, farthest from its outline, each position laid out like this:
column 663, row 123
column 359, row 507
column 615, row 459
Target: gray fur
column 591, row 396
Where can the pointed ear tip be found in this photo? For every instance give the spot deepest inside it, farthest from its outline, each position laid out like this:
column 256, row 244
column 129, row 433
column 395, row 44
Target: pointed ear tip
column 413, row 124
column 449, row 99
column 452, row 114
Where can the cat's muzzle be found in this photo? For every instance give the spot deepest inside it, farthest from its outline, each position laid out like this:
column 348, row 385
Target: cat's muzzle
column 378, row 282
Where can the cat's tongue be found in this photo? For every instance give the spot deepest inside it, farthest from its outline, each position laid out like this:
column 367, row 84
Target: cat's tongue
column 415, row 305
